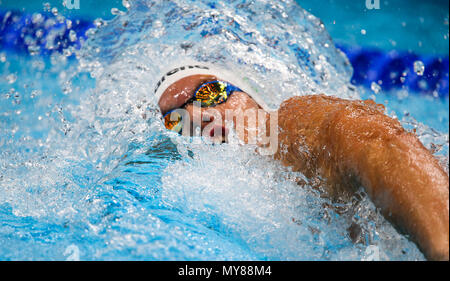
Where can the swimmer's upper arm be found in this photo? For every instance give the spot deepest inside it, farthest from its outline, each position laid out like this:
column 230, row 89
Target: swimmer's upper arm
column 344, row 140
column 400, row 175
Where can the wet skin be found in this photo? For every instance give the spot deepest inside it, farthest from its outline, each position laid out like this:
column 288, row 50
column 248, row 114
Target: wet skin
column 353, row 143
column 349, row 144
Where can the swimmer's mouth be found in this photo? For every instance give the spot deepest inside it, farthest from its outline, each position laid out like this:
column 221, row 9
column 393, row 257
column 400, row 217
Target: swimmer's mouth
column 218, row 134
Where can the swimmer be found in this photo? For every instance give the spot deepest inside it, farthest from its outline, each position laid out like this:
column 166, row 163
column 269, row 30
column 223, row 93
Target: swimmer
column 345, row 143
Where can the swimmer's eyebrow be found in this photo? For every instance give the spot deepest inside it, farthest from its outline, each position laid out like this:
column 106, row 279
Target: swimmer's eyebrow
column 178, row 93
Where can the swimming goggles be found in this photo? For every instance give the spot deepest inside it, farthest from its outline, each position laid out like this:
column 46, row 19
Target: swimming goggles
column 208, row 94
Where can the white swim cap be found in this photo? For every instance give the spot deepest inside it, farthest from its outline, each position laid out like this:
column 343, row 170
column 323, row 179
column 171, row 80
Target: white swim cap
column 188, row 68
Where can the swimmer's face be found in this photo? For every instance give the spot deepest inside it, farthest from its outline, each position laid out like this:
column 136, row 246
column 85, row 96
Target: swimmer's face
column 212, row 121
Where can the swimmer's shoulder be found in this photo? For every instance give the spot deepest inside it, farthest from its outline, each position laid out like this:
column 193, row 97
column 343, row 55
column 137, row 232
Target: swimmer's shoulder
column 311, row 99
column 311, row 103
column 324, row 102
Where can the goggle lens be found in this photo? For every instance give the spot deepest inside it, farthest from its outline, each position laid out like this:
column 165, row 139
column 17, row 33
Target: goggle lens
column 173, row 121
column 209, row 94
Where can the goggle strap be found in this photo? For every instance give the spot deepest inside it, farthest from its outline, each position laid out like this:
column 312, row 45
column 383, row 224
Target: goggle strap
column 231, row 89
column 169, row 112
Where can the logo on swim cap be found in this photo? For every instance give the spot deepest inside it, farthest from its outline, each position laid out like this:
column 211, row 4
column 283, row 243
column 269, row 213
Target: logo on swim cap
column 175, row 70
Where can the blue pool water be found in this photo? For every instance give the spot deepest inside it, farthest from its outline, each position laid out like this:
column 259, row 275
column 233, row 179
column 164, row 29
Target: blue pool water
column 416, row 25
column 87, row 171
column 411, row 25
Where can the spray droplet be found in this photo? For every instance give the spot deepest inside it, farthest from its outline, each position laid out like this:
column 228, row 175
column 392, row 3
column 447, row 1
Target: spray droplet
column 2, row 57
column 37, row 18
column 67, row 89
column 34, row 50
column 72, row 36
column 39, row 33
column 67, row 52
column 35, row 93
column 99, row 22
column 375, row 87
column 46, row 6
column 423, row 84
column 126, row 4
column 116, row 12
column 11, row 78
column 419, row 67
